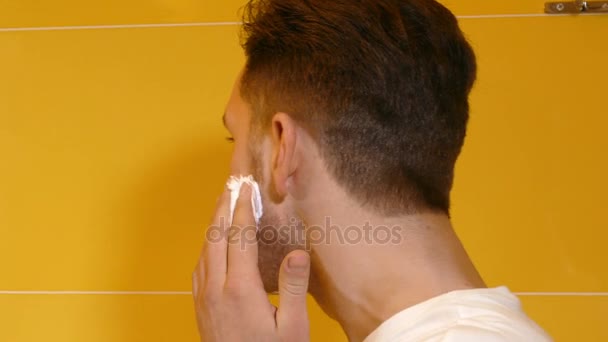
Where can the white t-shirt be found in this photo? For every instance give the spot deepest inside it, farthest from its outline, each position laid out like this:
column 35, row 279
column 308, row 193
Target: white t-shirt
column 484, row 315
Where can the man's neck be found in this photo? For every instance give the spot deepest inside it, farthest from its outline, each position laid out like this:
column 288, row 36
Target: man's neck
column 362, row 283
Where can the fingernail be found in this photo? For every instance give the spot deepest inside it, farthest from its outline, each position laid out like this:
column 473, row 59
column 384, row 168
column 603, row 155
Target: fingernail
column 245, row 190
column 297, row 262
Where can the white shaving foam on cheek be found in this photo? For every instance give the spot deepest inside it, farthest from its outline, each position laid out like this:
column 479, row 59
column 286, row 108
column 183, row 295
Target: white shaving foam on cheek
column 234, row 185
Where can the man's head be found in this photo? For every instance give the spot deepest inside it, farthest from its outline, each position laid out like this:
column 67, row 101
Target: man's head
column 380, row 87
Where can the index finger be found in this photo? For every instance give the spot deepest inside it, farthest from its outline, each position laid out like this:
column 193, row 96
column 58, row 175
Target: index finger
column 216, row 245
column 242, row 240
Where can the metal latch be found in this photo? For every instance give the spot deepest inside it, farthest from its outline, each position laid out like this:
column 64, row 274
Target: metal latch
column 576, row 7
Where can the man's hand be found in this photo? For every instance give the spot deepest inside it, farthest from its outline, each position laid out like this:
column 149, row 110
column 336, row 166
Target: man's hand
column 230, row 301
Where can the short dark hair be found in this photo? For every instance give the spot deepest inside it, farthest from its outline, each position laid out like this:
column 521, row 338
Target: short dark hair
column 381, row 85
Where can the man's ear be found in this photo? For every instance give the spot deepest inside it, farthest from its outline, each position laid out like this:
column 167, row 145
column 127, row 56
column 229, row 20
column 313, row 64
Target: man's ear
column 284, row 159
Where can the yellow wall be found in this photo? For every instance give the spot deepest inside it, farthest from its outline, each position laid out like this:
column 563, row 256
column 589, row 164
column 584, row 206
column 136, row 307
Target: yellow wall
column 112, row 152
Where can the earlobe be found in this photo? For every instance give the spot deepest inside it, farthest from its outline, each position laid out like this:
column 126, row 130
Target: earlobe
column 283, row 155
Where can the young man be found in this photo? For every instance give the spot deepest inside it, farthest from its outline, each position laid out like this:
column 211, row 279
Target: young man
column 350, row 114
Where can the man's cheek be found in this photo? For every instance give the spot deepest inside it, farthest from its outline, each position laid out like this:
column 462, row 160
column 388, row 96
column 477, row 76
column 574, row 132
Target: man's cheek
column 239, row 165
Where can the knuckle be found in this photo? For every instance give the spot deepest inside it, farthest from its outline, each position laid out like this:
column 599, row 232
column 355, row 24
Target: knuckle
column 194, row 278
column 294, row 288
column 236, row 289
column 211, row 297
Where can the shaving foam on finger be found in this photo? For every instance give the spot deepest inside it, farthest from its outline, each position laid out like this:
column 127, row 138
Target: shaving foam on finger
column 234, row 185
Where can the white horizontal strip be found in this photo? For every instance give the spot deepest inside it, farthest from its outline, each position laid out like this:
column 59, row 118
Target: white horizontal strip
column 119, row 293
column 524, row 15
column 112, row 27
column 234, row 23
column 187, row 293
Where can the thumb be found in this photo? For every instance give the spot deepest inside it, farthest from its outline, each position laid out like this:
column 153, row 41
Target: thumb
column 292, row 316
